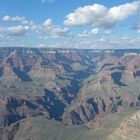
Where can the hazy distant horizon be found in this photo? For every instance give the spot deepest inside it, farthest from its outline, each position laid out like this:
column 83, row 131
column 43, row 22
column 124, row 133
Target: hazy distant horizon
column 53, row 48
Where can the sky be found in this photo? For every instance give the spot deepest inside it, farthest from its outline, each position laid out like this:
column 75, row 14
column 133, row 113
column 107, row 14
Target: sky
column 99, row 24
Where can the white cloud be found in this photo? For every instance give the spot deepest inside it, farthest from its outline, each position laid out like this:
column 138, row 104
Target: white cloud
column 20, row 19
column 103, row 43
column 6, row 18
column 48, row 23
column 22, row 26
column 86, row 33
column 95, row 31
column 99, row 15
column 48, row 29
column 58, row 32
column 14, row 30
column 13, row 19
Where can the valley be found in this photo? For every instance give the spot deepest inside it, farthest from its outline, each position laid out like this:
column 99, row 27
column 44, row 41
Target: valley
column 78, row 93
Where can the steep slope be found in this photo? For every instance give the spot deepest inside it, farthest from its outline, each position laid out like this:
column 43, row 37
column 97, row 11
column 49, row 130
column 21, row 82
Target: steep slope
column 32, row 128
column 128, row 129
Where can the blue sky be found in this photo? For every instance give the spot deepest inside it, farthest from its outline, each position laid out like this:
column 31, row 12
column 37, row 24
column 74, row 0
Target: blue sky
column 70, row 24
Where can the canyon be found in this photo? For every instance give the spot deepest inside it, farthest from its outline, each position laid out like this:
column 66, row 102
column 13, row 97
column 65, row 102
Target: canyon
column 78, row 93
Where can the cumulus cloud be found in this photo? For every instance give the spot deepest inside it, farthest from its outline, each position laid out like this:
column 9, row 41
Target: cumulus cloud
column 14, row 19
column 98, row 43
column 20, row 19
column 58, row 32
column 86, row 33
column 48, row 23
column 99, row 15
column 47, row 28
column 103, row 43
column 14, row 30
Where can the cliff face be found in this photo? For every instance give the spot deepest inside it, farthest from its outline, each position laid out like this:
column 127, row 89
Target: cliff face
column 78, row 87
